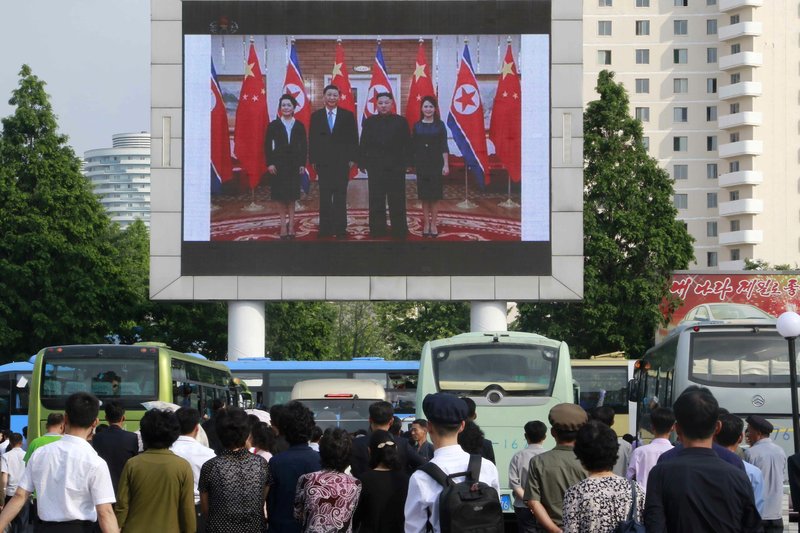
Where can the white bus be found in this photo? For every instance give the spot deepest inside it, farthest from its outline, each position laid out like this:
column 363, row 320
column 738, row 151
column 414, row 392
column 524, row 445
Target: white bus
column 339, row 403
column 745, row 366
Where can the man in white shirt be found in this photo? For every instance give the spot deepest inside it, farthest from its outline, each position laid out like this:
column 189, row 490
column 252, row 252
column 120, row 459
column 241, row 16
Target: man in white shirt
column 771, row 460
column 72, row 483
column 446, row 414
column 187, row 447
column 730, row 436
column 12, row 466
column 644, row 458
column 535, row 433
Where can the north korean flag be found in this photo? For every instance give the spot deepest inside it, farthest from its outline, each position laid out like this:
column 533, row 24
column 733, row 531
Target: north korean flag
column 294, row 86
column 466, row 121
column 378, row 84
column 221, row 164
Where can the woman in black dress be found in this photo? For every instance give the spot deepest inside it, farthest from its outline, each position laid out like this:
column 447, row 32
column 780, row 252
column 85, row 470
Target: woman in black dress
column 286, row 148
column 429, row 139
column 383, row 489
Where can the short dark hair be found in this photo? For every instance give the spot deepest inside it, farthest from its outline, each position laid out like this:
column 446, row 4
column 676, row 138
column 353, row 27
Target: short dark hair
column 114, row 411
column 296, row 423
column 316, row 434
column 696, row 412
column 730, row 431
column 471, row 407
column 662, row 419
column 471, row 439
column 329, row 87
column 596, row 446
column 81, row 409
column 217, row 404
column 276, row 415
column 565, row 435
column 188, row 418
column 381, row 412
column 289, row 97
column 604, row 414
column 383, row 449
column 334, row 449
column 396, row 427
column 262, row 437
column 536, row 431
column 384, row 94
column 444, row 430
column 55, row 419
column 421, row 422
column 159, row 429
column 233, row 428
column 14, row 440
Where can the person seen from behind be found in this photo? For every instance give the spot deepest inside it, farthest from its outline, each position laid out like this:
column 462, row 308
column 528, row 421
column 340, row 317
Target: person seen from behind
column 644, row 458
column 54, row 430
column 262, row 440
column 13, row 466
column 196, row 454
column 115, row 445
column 326, row 500
column 603, row 500
column 730, row 435
column 383, row 488
column 771, row 460
column 209, row 426
column 488, row 449
column 381, row 416
column 605, row 414
column 316, row 434
column 535, row 433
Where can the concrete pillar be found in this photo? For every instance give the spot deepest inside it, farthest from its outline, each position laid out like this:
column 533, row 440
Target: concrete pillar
column 488, row 316
column 246, row 330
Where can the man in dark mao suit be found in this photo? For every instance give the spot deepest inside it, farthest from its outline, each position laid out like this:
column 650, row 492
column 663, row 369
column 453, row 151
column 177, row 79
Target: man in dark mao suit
column 332, row 149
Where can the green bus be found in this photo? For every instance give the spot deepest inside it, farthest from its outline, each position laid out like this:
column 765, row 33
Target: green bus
column 129, row 374
column 513, row 378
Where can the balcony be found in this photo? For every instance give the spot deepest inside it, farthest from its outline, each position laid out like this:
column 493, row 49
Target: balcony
column 731, row 265
column 743, row 88
column 741, row 148
column 730, row 5
column 741, row 29
column 746, row 236
column 748, row 206
column 743, row 177
column 742, row 59
column 745, row 118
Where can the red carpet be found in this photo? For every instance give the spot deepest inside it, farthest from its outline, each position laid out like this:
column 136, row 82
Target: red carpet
column 452, row 226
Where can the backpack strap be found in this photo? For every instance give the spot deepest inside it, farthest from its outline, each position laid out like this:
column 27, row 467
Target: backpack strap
column 474, row 468
column 632, row 512
column 433, row 470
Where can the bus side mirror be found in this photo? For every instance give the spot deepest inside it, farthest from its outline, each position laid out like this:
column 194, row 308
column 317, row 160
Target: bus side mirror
column 576, row 390
column 633, row 391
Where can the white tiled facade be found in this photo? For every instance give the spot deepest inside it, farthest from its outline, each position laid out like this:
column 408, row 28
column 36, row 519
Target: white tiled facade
column 120, row 176
column 716, row 85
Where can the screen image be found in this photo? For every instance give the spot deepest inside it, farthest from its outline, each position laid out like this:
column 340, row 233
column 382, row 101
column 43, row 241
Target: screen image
column 419, row 148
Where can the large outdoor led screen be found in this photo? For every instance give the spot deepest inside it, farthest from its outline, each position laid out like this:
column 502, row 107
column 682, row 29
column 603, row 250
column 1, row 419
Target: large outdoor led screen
column 465, row 191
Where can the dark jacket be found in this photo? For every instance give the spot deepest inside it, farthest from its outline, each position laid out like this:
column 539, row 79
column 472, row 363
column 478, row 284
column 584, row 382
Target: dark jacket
column 385, row 143
column 116, row 446
column 359, row 456
column 337, row 148
column 287, row 155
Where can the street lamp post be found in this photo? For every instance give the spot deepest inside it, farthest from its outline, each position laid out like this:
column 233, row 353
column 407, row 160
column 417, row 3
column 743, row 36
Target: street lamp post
column 789, row 328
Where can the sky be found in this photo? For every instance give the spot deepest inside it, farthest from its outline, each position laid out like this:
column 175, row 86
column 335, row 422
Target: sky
column 94, row 56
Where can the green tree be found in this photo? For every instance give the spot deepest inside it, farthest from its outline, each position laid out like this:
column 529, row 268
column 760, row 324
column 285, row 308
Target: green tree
column 357, row 331
column 760, row 264
column 300, row 330
column 409, row 325
column 632, row 239
column 60, row 278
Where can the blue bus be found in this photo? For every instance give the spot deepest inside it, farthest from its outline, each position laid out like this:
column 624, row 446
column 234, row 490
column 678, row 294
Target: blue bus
column 15, row 382
column 271, row 382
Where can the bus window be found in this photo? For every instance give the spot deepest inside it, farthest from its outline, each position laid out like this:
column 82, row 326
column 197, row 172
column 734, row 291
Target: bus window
column 732, row 358
column 603, row 386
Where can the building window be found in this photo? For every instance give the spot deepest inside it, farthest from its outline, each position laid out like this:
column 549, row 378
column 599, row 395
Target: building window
column 604, row 27
column 711, row 26
column 680, row 172
column 711, row 55
column 736, row 77
column 711, row 113
column 711, row 84
column 733, row 196
column 605, row 3
column 711, row 200
column 735, row 225
column 642, row 3
column 642, row 56
column 680, row 27
column 711, row 258
column 604, row 57
column 734, row 108
column 680, row 144
column 735, row 137
column 733, row 166
column 642, row 27
column 680, row 56
column 711, row 143
column 735, row 254
column 681, row 201
column 643, row 114
column 736, row 48
column 711, row 229
column 642, row 85
column 681, row 3
column 711, row 2
column 711, row 171
column 734, row 19
column 680, row 85
column 680, row 114
column 646, row 143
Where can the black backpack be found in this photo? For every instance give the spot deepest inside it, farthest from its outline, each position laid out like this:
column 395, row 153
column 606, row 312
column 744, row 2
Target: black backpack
column 469, row 506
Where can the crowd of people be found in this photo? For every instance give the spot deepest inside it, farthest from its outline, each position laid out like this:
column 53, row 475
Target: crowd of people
column 385, row 151
column 258, row 477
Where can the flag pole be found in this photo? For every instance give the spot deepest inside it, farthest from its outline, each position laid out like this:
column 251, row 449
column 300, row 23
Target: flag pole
column 508, row 203
column 466, row 204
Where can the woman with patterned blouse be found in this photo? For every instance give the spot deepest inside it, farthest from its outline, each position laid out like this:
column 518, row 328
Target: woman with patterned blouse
column 326, row 500
column 233, row 485
column 601, row 501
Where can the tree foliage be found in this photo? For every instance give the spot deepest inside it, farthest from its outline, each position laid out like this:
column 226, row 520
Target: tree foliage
column 300, row 330
column 409, row 325
column 632, row 239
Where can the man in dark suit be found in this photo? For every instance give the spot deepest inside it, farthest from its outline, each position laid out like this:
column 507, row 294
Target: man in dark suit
column 381, row 416
column 384, row 154
column 115, row 445
column 332, row 149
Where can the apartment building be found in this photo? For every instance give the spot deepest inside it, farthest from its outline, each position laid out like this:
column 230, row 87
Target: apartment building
column 716, row 84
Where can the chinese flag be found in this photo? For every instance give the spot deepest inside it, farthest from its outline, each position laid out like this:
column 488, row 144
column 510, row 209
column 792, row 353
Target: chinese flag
column 421, row 86
column 251, row 121
column 341, row 79
column 505, row 129
column 222, row 167
column 378, row 84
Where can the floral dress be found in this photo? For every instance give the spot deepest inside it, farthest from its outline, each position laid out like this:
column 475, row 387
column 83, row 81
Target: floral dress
column 598, row 504
column 325, row 501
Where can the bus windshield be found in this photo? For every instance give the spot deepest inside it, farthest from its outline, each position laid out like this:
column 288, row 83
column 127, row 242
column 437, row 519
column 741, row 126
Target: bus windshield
column 129, row 380
column 725, row 358
column 519, row 370
column 349, row 414
column 603, row 386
